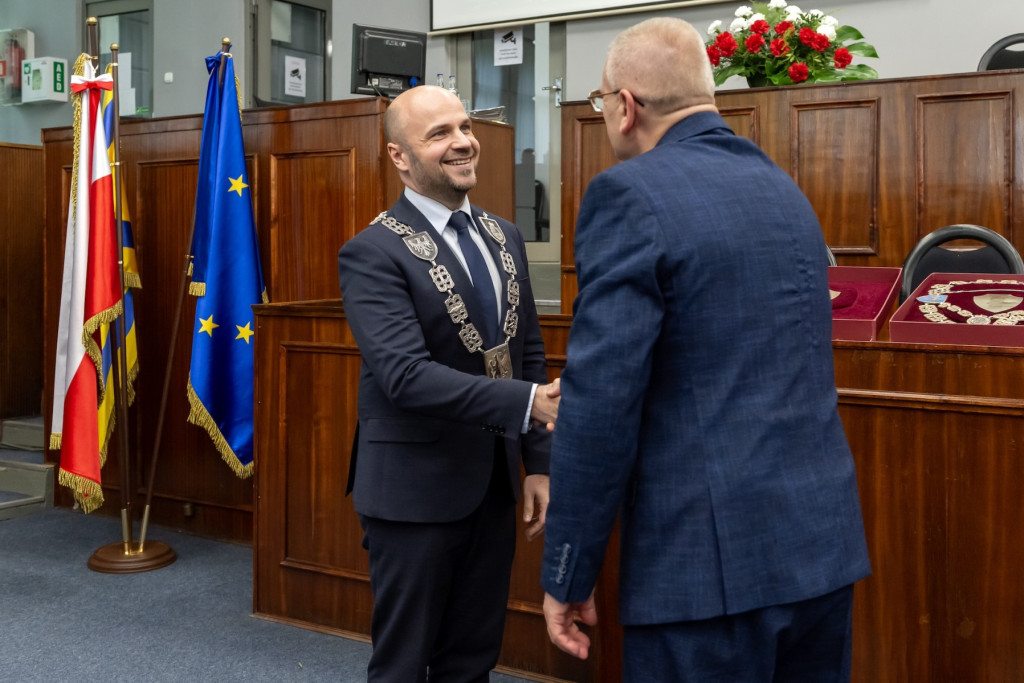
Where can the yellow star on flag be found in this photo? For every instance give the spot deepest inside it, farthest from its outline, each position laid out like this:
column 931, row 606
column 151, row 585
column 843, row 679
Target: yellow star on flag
column 237, row 185
column 207, row 325
column 244, row 332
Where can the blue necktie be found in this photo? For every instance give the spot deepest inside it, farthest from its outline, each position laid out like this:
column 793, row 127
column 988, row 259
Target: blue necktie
column 482, row 284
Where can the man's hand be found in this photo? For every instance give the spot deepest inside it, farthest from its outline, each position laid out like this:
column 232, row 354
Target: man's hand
column 562, row 627
column 545, row 404
column 536, row 494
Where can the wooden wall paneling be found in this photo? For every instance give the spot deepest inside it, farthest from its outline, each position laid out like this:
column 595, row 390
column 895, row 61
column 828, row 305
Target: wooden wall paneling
column 310, row 564
column 964, row 146
column 883, row 162
column 585, row 153
column 21, row 279
column 839, row 173
column 326, row 184
column 496, row 173
column 744, row 121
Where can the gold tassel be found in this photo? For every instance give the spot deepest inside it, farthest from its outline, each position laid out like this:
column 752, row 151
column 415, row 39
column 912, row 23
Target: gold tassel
column 92, row 348
column 198, row 415
column 87, row 493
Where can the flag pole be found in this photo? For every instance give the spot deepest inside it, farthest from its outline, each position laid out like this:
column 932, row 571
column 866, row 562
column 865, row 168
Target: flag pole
column 120, row 359
column 225, row 47
column 129, row 558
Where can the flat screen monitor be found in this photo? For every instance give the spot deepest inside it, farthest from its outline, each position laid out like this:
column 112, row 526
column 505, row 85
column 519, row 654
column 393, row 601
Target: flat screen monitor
column 386, row 62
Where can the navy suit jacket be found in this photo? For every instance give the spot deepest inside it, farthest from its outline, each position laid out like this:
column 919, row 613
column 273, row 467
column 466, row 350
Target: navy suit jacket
column 429, row 420
column 699, row 395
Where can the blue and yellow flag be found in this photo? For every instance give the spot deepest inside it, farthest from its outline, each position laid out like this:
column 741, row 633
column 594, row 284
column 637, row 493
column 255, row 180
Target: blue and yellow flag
column 108, row 332
column 226, row 277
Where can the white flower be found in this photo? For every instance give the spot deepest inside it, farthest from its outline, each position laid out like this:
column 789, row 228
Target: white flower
column 744, row 11
column 793, row 11
column 715, row 27
column 756, row 17
column 815, row 13
column 828, row 31
column 829, row 20
column 777, row 4
column 738, row 24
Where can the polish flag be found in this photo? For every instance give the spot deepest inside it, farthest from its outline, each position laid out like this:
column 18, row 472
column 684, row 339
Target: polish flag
column 90, row 296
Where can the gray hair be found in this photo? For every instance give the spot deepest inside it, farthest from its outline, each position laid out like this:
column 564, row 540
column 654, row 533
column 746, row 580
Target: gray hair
column 663, row 62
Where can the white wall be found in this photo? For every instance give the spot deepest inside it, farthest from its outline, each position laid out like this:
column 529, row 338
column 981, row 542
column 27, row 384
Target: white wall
column 22, row 123
column 913, row 37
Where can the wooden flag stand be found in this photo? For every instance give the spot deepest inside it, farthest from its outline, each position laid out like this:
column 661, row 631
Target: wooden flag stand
column 127, row 556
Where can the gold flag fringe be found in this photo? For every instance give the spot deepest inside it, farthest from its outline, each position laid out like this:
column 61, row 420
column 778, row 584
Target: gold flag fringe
column 76, row 102
column 132, row 280
column 198, row 415
column 266, row 299
column 197, row 288
column 133, row 374
column 87, row 493
column 92, row 348
column 55, row 441
column 105, row 438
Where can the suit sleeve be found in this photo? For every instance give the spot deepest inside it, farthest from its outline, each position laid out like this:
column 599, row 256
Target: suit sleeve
column 536, row 444
column 616, row 322
column 381, row 313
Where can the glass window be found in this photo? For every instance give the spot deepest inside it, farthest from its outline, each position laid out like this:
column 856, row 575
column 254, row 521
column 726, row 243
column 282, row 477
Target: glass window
column 529, row 93
column 129, row 24
column 292, row 51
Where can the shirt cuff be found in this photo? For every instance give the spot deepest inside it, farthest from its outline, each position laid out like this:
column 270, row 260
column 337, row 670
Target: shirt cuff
column 529, row 409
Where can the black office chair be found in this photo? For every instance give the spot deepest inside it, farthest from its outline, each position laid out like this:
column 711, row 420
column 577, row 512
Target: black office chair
column 1002, row 55
column 927, row 256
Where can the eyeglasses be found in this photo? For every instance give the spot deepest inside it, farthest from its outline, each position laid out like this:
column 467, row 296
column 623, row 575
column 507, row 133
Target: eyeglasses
column 597, row 99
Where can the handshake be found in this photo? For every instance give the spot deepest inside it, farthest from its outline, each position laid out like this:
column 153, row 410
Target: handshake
column 545, row 405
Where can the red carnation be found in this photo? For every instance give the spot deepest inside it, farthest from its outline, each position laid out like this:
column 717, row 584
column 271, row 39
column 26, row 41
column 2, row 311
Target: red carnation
column 806, row 36
column 798, row 72
column 714, row 54
column 821, row 42
column 843, row 58
column 726, row 44
column 779, row 47
column 760, row 27
column 783, row 26
column 754, row 43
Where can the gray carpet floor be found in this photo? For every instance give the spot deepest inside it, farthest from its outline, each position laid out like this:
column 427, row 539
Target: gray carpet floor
column 189, row 621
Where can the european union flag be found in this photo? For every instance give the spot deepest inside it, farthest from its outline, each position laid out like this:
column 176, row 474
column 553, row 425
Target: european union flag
column 227, row 278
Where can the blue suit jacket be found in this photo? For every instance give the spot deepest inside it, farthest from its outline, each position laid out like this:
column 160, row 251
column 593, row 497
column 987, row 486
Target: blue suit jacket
column 429, row 420
column 699, row 393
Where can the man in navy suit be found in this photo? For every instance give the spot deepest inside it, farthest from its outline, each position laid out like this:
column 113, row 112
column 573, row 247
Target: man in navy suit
column 437, row 294
column 698, row 398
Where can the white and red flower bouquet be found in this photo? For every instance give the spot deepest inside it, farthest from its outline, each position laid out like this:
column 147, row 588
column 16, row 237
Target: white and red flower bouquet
column 780, row 44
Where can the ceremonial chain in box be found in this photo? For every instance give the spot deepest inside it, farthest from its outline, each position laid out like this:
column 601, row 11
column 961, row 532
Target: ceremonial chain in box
column 975, row 302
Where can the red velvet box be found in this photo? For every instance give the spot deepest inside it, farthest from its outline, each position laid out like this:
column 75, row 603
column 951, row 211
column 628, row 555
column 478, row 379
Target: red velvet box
column 872, row 291
column 909, row 324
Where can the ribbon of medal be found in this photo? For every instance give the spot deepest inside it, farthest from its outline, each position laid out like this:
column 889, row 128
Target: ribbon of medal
column 497, row 362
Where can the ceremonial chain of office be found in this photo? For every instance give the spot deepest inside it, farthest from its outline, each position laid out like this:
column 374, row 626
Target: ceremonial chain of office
column 1000, row 302
column 422, row 245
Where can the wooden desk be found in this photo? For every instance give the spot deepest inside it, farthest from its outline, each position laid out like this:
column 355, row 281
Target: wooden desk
column 936, row 433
